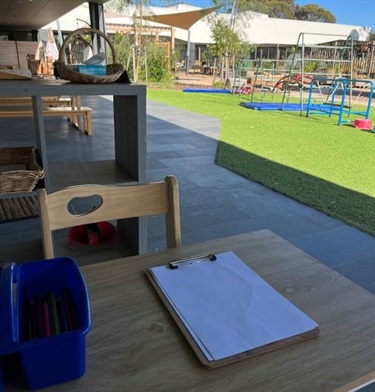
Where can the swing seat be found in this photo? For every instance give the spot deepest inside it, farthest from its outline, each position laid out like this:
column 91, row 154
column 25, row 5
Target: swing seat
column 336, row 105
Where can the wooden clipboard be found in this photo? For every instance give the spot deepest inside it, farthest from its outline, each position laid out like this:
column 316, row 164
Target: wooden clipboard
column 234, row 358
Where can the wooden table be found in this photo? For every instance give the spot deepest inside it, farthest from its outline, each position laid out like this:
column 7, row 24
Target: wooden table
column 135, row 346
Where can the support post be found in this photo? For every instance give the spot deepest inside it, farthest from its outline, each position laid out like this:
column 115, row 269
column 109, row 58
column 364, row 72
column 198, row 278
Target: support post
column 97, row 22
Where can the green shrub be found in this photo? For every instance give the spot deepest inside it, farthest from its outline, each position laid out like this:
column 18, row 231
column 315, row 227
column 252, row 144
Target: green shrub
column 152, row 58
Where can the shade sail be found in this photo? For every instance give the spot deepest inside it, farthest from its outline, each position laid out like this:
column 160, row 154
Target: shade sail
column 183, row 20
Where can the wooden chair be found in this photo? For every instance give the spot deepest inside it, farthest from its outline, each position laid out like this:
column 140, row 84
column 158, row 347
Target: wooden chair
column 117, row 202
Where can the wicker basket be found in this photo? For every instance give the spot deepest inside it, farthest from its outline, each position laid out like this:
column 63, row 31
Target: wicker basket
column 113, row 71
column 19, row 180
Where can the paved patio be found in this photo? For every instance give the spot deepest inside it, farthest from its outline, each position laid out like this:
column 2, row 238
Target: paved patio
column 214, row 201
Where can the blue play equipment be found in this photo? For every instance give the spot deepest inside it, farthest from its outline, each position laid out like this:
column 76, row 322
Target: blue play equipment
column 339, row 89
column 207, row 90
column 261, row 105
column 295, row 107
column 273, row 106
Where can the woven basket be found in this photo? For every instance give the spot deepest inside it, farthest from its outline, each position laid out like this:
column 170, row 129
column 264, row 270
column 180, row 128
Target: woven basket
column 19, row 180
column 113, row 71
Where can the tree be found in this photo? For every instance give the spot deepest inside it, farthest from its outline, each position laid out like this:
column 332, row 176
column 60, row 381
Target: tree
column 314, row 13
column 241, row 9
column 228, row 45
column 288, row 9
column 144, row 58
column 121, row 6
column 281, row 9
column 226, row 42
column 227, row 32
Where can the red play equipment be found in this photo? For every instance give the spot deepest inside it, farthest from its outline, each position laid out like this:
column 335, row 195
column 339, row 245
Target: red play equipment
column 293, row 79
column 243, row 89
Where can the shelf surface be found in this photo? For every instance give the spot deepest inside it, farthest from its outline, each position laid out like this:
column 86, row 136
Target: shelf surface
column 38, row 87
column 103, row 172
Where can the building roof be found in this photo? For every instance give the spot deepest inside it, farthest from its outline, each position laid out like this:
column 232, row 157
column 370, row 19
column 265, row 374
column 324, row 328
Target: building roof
column 34, row 14
column 285, row 31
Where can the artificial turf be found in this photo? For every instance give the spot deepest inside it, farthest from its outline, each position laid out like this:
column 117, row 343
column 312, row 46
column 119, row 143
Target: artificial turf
column 310, row 159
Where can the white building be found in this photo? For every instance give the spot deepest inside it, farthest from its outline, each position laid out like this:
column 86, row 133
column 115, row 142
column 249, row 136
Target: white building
column 272, row 36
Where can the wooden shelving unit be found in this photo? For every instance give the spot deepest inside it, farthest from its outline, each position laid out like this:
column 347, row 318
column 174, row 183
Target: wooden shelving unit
column 129, row 163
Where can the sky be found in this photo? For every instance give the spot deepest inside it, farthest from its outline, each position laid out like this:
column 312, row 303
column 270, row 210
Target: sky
column 351, row 12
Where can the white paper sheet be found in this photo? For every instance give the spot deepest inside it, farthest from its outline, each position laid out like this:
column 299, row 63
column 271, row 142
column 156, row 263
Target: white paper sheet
column 227, row 307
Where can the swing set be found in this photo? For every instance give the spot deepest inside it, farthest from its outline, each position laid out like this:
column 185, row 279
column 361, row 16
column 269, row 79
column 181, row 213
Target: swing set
column 335, row 56
column 339, row 98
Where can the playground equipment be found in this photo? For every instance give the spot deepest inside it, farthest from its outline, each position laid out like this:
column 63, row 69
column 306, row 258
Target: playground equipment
column 335, row 102
column 338, row 88
column 244, row 88
column 316, row 66
column 293, row 107
column 298, row 79
column 207, row 90
column 237, row 79
column 312, row 58
column 266, row 74
column 364, row 124
column 316, row 60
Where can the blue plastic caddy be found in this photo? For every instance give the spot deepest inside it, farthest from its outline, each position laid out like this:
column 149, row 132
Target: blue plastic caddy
column 44, row 317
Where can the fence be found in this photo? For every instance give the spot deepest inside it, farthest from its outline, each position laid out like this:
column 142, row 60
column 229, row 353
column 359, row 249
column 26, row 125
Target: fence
column 364, row 63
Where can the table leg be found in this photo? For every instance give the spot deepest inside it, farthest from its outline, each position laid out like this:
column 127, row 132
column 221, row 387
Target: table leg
column 40, row 136
column 130, row 154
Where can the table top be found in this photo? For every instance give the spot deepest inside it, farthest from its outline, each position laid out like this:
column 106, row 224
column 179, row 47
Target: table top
column 135, row 345
column 49, row 87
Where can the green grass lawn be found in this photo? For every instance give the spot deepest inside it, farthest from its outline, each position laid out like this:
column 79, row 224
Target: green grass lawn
column 313, row 160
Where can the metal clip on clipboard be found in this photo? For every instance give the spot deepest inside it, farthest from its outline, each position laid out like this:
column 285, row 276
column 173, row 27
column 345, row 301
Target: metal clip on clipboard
column 191, row 261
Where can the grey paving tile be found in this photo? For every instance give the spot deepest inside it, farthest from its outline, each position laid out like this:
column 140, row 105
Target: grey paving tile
column 196, row 153
column 156, row 226
column 361, row 272
column 161, row 128
column 7, row 238
column 209, row 214
column 17, row 227
column 156, row 243
column 255, row 205
column 155, row 164
column 169, row 147
column 200, row 162
column 157, row 174
column 214, row 201
column 338, row 246
column 234, row 227
column 163, row 154
column 368, row 388
column 198, row 196
column 281, row 201
column 22, row 251
column 288, row 226
column 193, row 235
column 253, row 187
column 212, row 176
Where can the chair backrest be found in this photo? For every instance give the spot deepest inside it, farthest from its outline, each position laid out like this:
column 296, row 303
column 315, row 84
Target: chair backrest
column 117, row 202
